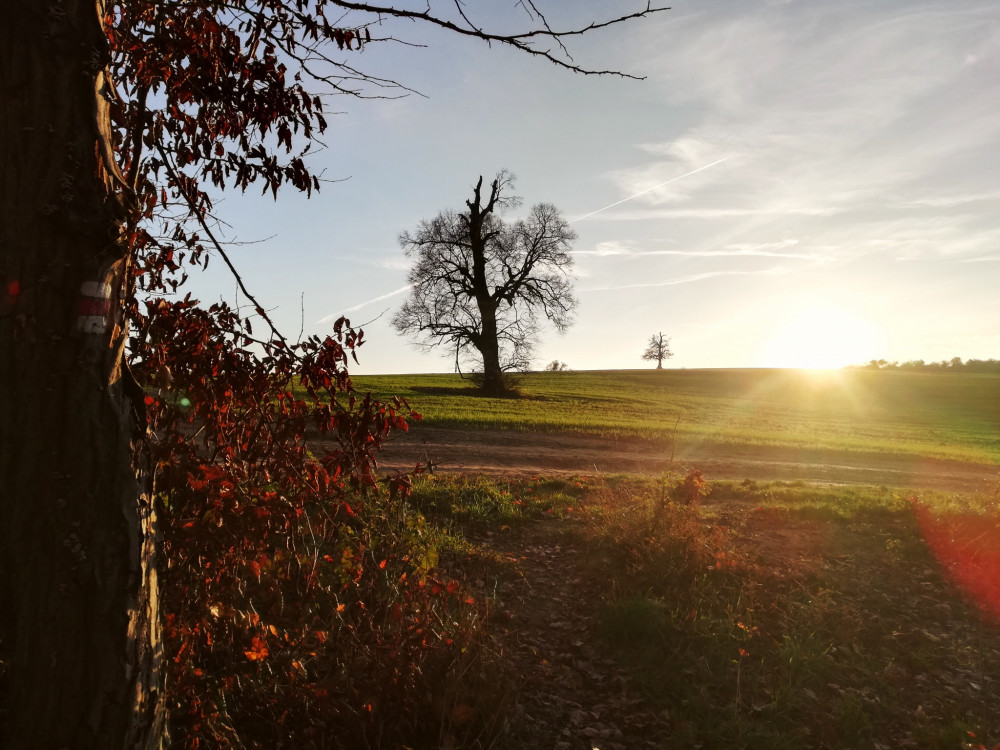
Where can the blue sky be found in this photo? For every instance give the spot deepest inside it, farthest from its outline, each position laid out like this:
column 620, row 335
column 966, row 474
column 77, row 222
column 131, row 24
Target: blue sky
column 828, row 172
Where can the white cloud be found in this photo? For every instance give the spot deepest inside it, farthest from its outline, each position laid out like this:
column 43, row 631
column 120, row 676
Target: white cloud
column 830, row 115
column 604, row 249
column 400, row 263
column 775, row 211
column 952, row 201
column 778, row 270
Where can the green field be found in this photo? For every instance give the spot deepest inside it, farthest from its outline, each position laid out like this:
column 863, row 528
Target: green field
column 936, row 415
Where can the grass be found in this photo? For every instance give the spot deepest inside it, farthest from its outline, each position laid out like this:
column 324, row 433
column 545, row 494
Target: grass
column 796, row 616
column 478, row 503
column 933, row 415
column 758, row 614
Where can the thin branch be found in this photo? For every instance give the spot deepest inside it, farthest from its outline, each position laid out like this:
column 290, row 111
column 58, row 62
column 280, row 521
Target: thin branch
column 302, row 317
column 172, row 171
column 521, row 40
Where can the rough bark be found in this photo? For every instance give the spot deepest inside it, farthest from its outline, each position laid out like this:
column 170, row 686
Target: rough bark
column 487, row 342
column 78, row 616
column 489, row 348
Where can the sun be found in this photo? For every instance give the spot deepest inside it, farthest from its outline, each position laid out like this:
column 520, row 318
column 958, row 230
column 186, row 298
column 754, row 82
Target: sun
column 820, row 338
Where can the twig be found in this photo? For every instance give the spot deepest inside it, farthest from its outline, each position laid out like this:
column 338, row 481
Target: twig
column 302, row 316
column 259, row 309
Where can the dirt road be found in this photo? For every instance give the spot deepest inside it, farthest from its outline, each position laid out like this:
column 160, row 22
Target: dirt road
column 503, row 452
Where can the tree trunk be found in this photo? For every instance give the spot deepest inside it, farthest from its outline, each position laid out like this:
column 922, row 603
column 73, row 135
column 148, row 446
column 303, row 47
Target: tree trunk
column 489, row 348
column 488, row 342
column 79, row 639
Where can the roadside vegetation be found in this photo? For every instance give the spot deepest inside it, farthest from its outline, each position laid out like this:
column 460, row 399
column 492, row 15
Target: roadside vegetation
column 510, row 613
column 520, row 613
column 744, row 614
column 927, row 414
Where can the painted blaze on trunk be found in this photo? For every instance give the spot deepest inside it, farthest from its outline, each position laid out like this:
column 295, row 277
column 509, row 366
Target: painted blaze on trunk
column 78, row 614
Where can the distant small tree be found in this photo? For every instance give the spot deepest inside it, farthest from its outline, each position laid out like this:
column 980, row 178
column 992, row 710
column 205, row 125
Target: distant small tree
column 556, row 366
column 658, row 350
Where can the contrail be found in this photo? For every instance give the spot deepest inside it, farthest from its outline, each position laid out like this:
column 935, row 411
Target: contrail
column 331, row 316
column 647, row 190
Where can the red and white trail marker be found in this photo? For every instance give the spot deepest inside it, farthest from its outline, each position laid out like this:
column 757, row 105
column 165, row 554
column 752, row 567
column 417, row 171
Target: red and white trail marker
column 95, row 307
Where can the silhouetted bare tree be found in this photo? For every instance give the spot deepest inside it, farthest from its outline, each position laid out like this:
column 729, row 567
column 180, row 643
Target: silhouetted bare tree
column 480, row 285
column 658, row 350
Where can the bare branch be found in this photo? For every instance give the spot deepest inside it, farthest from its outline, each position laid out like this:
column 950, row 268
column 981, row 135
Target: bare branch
column 521, row 41
column 199, row 216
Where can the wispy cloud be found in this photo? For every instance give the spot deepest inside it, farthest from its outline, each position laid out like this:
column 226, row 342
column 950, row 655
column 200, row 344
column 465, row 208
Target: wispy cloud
column 776, row 271
column 953, row 201
column 401, row 263
column 825, row 117
column 738, row 250
column 605, row 249
column 775, row 211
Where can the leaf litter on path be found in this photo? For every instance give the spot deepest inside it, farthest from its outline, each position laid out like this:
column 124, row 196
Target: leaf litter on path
column 573, row 695
column 896, row 649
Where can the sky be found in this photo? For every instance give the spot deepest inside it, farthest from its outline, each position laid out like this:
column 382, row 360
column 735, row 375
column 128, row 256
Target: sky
column 809, row 183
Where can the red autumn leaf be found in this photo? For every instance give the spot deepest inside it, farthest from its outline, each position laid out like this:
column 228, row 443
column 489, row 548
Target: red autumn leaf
column 258, row 651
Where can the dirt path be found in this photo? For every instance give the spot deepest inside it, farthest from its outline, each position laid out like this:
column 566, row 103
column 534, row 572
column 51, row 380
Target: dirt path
column 572, row 695
column 549, row 604
column 503, row 452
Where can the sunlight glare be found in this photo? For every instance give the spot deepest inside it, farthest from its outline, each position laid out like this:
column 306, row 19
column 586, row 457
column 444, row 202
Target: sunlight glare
column 821, row 338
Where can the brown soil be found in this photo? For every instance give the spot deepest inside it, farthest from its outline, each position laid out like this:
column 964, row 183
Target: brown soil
column 521, row 453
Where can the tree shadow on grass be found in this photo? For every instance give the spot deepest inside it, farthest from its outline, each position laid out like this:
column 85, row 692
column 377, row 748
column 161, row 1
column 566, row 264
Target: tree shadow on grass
column 472, row 391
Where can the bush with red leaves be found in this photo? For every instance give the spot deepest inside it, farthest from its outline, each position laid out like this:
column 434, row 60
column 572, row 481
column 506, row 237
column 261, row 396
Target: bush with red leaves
column 301, row 604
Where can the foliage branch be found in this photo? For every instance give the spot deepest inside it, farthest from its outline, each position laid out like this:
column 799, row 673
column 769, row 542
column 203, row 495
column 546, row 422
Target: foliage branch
column 296, row 586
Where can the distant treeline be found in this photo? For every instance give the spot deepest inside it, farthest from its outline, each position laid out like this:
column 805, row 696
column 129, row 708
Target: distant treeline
column 951, row 365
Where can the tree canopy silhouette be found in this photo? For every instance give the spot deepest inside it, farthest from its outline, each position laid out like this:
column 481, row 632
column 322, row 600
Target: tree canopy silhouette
column 132, row 424
column 657, row 350
column 480, row 284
